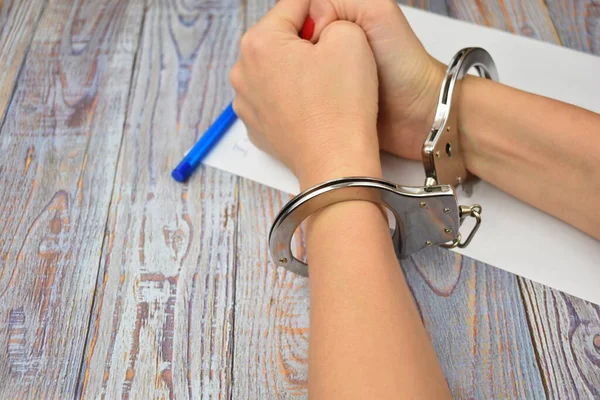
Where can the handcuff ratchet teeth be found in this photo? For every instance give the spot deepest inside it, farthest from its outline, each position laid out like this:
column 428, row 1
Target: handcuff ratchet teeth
column 424, row 216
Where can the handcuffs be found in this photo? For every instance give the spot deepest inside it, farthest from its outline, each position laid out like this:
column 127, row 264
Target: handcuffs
column 424, row 216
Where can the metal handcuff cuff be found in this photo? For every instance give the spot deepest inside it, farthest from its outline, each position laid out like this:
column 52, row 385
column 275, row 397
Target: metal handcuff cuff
column 425, row 216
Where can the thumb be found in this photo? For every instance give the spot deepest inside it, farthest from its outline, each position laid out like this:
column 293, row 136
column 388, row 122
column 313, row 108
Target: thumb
column 380, row 19
column 342, row 35
column 348, row 43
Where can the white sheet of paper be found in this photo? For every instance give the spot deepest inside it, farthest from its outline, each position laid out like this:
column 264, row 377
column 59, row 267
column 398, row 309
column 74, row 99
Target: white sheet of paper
column 514, row 236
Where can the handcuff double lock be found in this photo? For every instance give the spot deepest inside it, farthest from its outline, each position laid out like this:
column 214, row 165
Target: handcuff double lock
column 424, row 216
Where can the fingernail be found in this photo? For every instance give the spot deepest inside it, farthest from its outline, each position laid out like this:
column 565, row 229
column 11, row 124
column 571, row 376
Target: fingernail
column 308, row 29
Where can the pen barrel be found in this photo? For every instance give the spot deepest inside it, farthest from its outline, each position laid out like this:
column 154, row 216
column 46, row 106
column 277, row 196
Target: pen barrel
column 207, row 142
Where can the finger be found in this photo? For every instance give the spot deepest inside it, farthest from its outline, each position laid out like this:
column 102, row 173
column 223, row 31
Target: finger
column 339, row 34
column 370, row 16
column 287, row 16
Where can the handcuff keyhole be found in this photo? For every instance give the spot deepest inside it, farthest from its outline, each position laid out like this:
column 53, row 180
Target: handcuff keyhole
column 449, row 150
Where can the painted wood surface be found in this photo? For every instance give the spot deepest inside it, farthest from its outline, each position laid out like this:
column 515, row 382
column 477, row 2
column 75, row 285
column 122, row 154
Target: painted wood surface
column 59, row 147
column 18, row 21
column 186, row 303
column 272, row 307
column 477, row 322
column 566, row 333
column 577, row 23
column 526, row 18
column 162, row 322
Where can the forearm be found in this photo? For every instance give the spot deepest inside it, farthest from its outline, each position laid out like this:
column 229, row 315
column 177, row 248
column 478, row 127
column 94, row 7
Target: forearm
column 366, row 337
column 542, row 151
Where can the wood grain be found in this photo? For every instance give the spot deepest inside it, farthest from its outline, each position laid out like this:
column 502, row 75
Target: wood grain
column 18, row 21
column 525, row 18
column 162, row 322
column 566, row 332
column 476, row 319
column 577, row 23
column 59, row 147
column 271, row 318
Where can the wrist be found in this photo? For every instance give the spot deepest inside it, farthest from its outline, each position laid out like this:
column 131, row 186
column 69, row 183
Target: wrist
column 348, row 158
column 428, row 100
column 411, row 123
column 340, row 166
column 472, row 98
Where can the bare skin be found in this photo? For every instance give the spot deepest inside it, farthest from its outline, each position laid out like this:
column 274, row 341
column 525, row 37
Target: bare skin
column 325, row 108
column 540, row 150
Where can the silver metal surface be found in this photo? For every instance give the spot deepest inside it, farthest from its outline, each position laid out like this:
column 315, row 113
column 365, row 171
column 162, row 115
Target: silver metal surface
column 442, row 155
column 416, row 226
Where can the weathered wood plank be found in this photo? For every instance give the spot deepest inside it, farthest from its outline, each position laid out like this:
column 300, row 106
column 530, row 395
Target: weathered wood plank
column 577, row 23
column 18, row 21
column 162, row 322
column 566, row 331
column 59, row 147
column 271, row 316
column 477, row 322
column 525, row 18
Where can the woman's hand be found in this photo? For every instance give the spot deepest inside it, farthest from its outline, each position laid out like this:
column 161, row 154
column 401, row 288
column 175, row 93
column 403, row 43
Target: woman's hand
column 410, row 79
column 313, row 106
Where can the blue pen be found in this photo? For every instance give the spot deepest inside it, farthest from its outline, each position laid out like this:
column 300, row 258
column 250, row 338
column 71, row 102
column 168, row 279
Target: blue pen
column 207, row 142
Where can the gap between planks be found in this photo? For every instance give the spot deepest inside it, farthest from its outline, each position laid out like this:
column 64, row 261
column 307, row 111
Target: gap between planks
column 17, row 76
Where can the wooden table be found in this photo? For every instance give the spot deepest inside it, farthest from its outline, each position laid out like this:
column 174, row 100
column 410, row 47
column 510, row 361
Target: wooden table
column 115, row 281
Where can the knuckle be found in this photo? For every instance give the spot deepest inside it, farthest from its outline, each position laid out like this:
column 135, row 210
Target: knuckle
column 346, row 29
column 252, row 43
